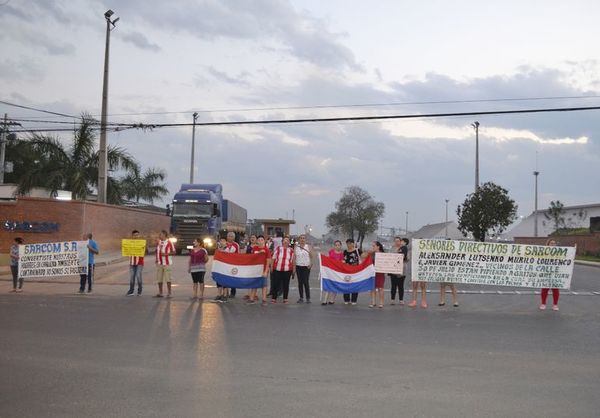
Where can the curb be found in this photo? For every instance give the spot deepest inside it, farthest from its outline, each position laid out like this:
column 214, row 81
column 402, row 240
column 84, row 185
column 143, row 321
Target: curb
column 587, row 263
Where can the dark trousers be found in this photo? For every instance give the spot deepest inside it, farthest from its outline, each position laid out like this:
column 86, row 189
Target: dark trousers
column 86, row 278
column 280, row 281
column 347, row 297
column 397, row 284
column 303, row 273
column 15, row 276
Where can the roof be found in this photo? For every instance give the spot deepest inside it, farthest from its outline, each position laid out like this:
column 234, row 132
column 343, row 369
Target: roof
column 439, row 231
column 279, row 221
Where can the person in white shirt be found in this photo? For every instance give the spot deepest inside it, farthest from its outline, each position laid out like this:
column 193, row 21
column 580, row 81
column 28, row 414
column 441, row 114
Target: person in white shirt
column 304, row 259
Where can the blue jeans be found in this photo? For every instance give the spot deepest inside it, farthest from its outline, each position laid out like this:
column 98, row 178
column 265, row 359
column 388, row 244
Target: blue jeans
column 135, row 275
column 86, row 277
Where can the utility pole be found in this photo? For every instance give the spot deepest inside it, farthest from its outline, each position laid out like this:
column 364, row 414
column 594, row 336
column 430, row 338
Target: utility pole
column 476, row 126
column 102, row 150
column 3, row 147
column 447, row 200
column 195, row 116
column 406, row 223
column 535, row 210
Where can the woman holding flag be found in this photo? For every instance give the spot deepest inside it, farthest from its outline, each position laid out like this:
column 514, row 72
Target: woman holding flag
column 283, row 269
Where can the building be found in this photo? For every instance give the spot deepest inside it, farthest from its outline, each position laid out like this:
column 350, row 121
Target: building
column 275, row 227
column 572, row 218
column 442, row 230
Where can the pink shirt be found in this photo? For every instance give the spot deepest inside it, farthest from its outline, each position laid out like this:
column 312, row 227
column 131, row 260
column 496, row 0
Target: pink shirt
column 336, row 256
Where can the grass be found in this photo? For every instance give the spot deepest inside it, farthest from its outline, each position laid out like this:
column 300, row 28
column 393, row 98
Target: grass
column 588, row 258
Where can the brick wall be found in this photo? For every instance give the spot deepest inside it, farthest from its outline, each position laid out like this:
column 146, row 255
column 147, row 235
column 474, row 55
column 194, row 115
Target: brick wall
column 107, row 223
column 586, row 244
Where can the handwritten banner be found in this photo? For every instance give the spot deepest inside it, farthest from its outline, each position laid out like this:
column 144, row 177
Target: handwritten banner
column 133, row 247
column 392, row 263
column 488, row 263
column 53, row 259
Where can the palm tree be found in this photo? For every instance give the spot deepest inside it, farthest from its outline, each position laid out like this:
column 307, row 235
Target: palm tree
column 73, row 168
column 146, row 186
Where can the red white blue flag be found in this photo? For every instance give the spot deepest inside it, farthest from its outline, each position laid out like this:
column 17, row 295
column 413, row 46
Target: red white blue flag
column 242, row 271
column 339, row 277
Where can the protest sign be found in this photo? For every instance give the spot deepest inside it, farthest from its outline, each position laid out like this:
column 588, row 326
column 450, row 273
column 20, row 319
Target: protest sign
column 389, row 263
column 133, row 247
column 489, row 263
column 53, row 259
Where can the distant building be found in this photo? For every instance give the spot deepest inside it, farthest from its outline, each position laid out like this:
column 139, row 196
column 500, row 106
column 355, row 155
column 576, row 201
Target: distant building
column 442, row 230
column 274, row 227
column 525, row 228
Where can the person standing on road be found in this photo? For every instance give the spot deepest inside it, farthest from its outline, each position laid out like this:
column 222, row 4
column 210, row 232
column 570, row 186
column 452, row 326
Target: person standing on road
column 231, row 247
column 164, row 262
column 136, row 267
column 92, row 247
column 304, row 260
column 397, row 280
column 261, row 247
column 555, row 292
column 283, row 270
column 415, row 284
column 197, row 267
column 337, row 254
column 377, row 293
column 352, row 257
column 14, row 265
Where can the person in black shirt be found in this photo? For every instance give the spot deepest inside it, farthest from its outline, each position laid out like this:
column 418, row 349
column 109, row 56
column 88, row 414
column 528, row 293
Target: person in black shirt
column 398, row 279
column 352, row 257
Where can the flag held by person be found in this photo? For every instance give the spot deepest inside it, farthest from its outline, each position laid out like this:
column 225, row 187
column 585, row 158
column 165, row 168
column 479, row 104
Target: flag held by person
column 343, row 278
column 240, row 271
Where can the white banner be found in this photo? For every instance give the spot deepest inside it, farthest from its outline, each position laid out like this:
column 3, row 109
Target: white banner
column 489, row 263
column 53, row 259
column 389, row 263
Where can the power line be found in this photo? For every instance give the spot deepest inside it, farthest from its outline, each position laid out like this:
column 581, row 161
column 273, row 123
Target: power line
column 356, row 105
column 37, row 110
column 344, row 119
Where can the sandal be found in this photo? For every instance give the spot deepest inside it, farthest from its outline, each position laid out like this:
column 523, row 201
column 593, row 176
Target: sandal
column 442, row 304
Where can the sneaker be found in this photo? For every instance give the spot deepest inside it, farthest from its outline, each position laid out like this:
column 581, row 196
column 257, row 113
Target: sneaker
column 19, row 290
column 346, row 303
column 555, row 307
column 392, row 303
column 330, row 303
column 308, row 301
column 323, row 303
column 89, row 290
column 139, row 294
column 401, row 302
column 130, row 293
column 80, row 292
column 353, row 303
column 542, row 307
column 218, row 298
column 300, row 300
column 371, row 305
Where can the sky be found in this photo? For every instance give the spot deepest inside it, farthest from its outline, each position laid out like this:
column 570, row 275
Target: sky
column 234, row 60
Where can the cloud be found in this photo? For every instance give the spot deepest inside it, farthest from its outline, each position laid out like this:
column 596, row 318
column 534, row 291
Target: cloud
column 240, row 80
column 23, row 68
column 139, row 40
column 273, row 23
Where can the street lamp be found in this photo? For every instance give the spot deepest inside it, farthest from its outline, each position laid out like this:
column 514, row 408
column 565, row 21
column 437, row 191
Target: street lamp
column 406, row 223
column 476, row 126
column 535, row 210
column 195, row 116
column 102, row 156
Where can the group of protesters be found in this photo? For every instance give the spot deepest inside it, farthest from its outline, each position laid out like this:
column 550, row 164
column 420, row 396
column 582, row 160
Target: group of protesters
column 284, row 261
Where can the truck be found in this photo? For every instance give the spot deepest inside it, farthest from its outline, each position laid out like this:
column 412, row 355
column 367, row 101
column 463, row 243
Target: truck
column 199, row 211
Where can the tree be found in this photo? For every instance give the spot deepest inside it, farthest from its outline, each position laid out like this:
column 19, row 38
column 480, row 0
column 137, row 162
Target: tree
column 356, row 213
column 488, row 210
column 146, row 186
column 556, row 214
column 47, row 162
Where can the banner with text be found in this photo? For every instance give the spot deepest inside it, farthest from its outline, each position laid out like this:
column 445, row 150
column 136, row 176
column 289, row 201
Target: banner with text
column 133, row 247
column 487, row 263
column 53, row 259
column 391, row 263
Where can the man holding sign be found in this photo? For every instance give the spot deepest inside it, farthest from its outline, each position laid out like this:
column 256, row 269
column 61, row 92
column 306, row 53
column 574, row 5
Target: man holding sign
column 135, row 249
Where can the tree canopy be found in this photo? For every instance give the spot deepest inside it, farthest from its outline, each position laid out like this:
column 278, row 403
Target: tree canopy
column 489, row 210
column 356, row 214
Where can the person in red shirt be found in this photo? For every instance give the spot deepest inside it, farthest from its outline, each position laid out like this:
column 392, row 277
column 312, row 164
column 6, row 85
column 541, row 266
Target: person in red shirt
column 136, row 267
column 261, row 247
column 283, row 269
column 164, row 262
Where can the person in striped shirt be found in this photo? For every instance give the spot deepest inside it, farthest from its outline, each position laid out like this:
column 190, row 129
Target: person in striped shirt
column 164, row 260
column 136, row 266
column 284, row 262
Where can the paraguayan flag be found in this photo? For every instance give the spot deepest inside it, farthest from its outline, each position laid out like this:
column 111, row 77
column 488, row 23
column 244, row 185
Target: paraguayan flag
column 343, row 278
column 241, row 271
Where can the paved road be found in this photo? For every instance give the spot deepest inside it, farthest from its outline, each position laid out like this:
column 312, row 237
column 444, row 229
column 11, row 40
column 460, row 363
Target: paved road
column 104, row 355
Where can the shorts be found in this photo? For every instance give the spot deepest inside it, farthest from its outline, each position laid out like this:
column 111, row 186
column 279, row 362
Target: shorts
column 163, row 274
column 198, row 276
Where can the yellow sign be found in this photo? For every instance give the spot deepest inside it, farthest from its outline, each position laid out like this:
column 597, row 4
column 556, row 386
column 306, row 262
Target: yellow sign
column 133, row 247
